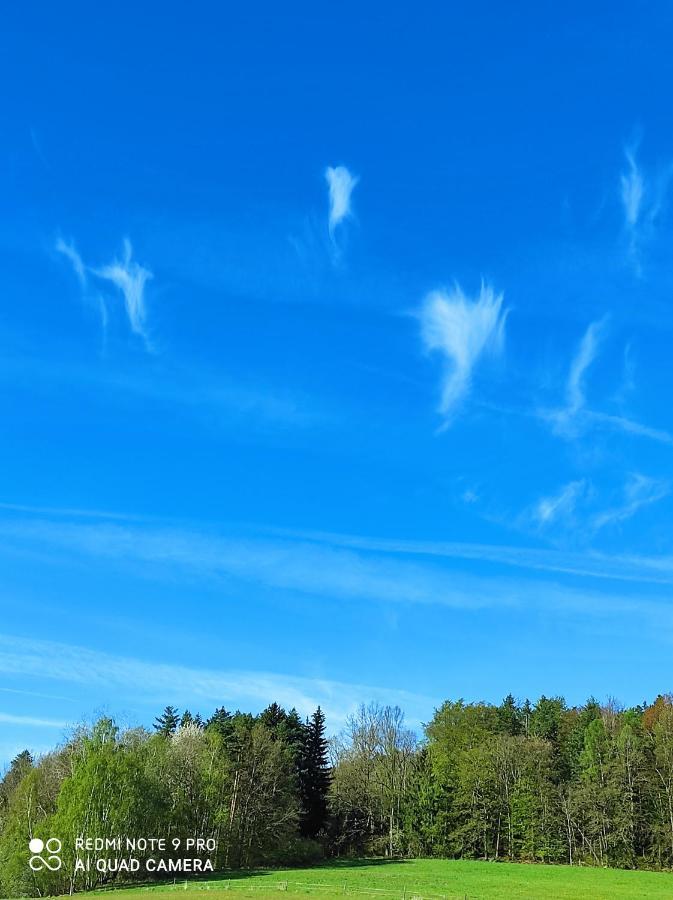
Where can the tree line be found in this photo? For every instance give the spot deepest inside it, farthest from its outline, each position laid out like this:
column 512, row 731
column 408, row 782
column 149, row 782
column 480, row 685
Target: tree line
column 543, row 782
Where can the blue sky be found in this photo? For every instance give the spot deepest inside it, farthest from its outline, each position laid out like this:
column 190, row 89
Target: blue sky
column 335, row 358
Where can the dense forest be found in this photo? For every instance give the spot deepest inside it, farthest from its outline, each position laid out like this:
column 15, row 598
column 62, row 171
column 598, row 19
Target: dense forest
column 543, row 782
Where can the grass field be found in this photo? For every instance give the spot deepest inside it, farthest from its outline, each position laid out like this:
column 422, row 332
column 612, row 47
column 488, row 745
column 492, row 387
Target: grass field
column 426, row 879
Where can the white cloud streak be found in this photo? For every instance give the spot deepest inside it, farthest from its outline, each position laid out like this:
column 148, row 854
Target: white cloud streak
column 340, row 184
column 130, row 278
column 639, row 490
column 642, row 201
column 645, row 569
column 628, row 426
column 31, row 721
column 151, row 682
column 573, row 419
column 565, row 421
column 335, row 568
column 127, row 275
column 200, row 551
column 461, row 330
column 549, row 510
column 632, row 188
column 314, row 570
column 585, row 356
column 632, row 191
column 69, row 250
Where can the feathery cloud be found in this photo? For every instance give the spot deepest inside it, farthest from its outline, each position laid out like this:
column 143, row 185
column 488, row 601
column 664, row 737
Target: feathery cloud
column 632, row 190
column 639, row 491
column 565, row 420
column 31, row 721
column 130, row 278
column 148, row 681
column 461, row 330
column 589, row 563
column 347, row 568
column 585, row 356
column 560, row 506
column 340, row 185
column 642, row 201
column 125, row 274
column 328, row 570
column 628, row 426
column 70, row 252
column 575, row 418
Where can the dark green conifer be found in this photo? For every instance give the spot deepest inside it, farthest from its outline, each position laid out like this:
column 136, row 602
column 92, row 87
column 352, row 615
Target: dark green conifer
column 168, row 721
column 314, row 776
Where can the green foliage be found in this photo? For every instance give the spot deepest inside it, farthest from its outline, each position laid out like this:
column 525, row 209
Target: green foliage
column 371, row 781
column 29, row 805
column 590, row 785
column 109, row 794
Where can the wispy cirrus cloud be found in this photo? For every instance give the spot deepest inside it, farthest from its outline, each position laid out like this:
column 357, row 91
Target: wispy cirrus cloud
column 130, row 278
column 340, row 185
column 574, row 506
column 632, row 188
column 589, row 563
column 70, row 252
column 68, row 249
column 266, row 556
column 337, row 568
column 642, row 199
column 559, row 506
column 125, row 274
column 461, row 330
column 566, row 421
column 639, row 491
column 575, row 417
column 586, row 354
column 31, row 721
column 152, row 683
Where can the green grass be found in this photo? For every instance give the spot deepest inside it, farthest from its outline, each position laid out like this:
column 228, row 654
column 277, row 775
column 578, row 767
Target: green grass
column 426, row 879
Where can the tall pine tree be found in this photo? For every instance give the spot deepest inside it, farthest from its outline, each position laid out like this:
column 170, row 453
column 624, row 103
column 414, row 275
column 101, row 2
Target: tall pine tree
column 314, row 776
column 167, row 722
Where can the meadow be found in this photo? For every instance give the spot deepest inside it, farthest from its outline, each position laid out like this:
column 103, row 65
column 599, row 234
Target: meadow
column 424, row 880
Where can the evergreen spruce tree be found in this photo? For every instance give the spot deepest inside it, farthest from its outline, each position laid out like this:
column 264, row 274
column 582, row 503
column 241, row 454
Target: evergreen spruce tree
column 314, row 776
column 273, row 716
column 222, row 722
column 293, row 733
column 167, row 722
column 509, row 716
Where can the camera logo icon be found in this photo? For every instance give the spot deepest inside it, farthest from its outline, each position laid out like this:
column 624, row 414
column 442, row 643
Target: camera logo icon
column 51, row 860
